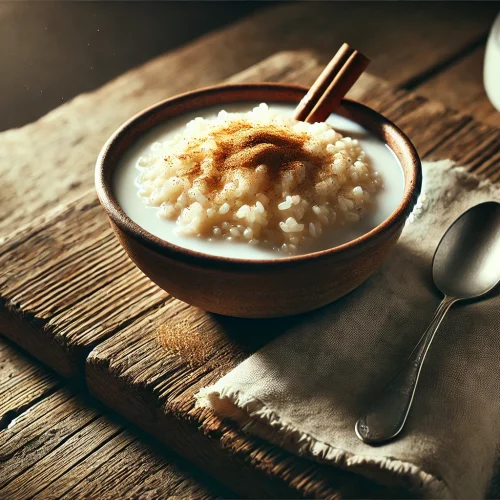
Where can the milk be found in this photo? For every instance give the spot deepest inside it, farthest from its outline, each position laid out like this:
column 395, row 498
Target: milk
column 381, row 158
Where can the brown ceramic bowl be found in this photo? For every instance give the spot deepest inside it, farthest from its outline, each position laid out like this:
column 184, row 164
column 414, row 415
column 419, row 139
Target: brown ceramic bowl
column 255, row 288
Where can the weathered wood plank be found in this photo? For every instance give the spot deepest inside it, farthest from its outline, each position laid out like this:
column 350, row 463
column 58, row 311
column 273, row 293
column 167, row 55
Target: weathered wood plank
column 23, row 382
column 139, row 370
column 477, row 146
column 51, row 161
column 63, row 447
column 461, row 87
column 121, row 477
column 75, row 286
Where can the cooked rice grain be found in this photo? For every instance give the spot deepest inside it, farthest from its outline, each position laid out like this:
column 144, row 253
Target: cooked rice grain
column 259, row 177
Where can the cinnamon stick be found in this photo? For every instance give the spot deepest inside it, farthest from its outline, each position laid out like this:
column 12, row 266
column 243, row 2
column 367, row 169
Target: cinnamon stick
column 338, row 87
column 321, row 84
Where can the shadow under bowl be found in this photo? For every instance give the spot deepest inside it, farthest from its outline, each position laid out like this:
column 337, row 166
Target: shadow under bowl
column 255, row 288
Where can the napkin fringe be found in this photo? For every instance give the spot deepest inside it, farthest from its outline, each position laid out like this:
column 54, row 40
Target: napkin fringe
column 256, row 418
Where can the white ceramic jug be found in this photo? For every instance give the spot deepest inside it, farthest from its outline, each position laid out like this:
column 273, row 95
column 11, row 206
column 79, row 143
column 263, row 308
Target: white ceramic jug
column 492, row 65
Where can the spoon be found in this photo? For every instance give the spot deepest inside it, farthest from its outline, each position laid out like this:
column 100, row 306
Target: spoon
column 466, row 265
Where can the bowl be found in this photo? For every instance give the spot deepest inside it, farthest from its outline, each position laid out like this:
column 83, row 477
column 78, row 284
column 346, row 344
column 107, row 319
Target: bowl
column 255, row 288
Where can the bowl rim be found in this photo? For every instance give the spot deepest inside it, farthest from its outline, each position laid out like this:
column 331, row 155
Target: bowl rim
column 412, row 186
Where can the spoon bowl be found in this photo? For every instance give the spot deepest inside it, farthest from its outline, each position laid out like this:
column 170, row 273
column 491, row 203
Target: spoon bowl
column 467, row 261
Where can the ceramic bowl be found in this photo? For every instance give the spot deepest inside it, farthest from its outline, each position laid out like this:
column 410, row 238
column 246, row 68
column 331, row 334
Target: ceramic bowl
column 255, row 288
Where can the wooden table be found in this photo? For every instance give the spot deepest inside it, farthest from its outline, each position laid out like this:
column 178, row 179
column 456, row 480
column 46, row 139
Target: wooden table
column 70, row 297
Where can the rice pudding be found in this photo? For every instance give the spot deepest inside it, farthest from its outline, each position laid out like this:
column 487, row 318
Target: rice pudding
column 251, row 182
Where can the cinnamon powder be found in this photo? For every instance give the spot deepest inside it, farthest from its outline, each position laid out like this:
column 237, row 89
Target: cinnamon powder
column 243, row 147
column 180, row 339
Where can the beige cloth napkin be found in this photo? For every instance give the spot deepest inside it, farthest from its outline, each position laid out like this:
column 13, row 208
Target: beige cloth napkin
column 305, row 390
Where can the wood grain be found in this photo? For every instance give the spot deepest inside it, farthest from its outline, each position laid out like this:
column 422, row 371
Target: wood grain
column 64, row 448
column 72, row 284
column 75, row 286
column 35, row 408
column 54, row 156
column 460, row 86
column 23, row 382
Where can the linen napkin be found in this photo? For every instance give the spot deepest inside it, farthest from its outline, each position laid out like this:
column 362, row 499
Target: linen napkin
column 305, row 390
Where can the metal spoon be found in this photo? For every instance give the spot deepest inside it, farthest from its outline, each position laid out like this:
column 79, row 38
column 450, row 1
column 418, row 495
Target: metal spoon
column 466, row 265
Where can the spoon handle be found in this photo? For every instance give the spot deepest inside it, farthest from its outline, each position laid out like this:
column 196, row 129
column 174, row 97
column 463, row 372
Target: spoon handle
column 386, row 416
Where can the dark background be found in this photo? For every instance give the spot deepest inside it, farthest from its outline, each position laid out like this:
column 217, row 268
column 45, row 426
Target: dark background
column 52, row 51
